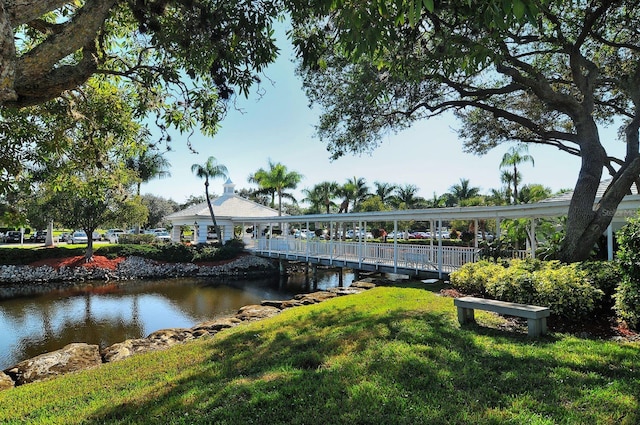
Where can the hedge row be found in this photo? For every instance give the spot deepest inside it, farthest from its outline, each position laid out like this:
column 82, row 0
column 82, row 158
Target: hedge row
column 169, row 252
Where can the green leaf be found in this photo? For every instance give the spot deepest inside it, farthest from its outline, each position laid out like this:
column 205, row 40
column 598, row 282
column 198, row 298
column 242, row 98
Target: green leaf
column 518, row 8
column 428, row 4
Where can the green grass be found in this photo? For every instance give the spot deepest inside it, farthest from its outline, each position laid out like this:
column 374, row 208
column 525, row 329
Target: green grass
column 392, row 355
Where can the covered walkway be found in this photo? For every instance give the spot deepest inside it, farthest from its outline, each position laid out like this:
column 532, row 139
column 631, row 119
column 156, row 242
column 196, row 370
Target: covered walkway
column 431, row 259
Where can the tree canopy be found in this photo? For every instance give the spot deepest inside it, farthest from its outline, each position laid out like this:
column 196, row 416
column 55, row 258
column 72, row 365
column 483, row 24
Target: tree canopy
column 177, row 63
column 549, row 72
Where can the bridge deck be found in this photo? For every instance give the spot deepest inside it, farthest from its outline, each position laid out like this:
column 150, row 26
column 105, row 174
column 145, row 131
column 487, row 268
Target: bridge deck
column 408, row 259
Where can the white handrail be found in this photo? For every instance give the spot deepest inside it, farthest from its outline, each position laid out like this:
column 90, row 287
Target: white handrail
column 438, row 258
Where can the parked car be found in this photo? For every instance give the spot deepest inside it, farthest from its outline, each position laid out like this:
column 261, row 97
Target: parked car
column 13, row 236
column 63, row 237
column 399, row 235
column 39, row 237
column 163, row 236
column 362, row 234
column 112, row 235
column 78, row 236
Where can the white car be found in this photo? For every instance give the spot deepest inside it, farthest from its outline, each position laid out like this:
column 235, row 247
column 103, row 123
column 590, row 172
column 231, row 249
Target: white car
column 163, row 236
column 78, row 237
column 112, row 235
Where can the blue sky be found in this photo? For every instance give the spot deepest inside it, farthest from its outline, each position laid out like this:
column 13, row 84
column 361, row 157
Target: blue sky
column 280, row 125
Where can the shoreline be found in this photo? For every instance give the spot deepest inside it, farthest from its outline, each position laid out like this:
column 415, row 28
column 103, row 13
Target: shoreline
column 56, row 276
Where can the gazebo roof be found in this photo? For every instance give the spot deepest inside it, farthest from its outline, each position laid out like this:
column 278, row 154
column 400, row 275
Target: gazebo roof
column 227, row 206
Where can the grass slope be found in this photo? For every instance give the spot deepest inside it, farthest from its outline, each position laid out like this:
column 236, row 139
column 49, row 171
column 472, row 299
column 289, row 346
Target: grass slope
column 388, row 356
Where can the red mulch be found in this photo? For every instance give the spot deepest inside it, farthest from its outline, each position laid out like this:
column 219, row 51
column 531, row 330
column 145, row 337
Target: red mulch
column 79, row 261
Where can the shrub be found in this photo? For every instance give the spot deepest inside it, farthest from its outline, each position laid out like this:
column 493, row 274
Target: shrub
column 143, row 238
column 121, row 250
column 627, row 297
column 566, row 289
column 514, row 284
column 606, row 276
column 472, row 278
column 230, row 250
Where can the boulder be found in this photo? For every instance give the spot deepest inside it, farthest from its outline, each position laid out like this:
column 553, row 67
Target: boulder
column 6, row 382
column 314, row 297
column 256, row 312
column 345, row 291
column 214, row 326
column 171, row 336
column 279, row 304
column 71, row 358
column 157, row 340
column 363, row 284
column 127, row 348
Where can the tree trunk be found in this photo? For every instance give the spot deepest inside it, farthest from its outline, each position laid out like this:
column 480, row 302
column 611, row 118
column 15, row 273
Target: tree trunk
column 88, row 254
column 586, row 222
column 213, row 217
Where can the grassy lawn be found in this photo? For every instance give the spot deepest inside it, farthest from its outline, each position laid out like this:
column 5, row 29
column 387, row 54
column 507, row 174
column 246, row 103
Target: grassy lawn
column 392, row 355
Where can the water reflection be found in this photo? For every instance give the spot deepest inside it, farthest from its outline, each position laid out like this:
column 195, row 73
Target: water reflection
column 105, row 314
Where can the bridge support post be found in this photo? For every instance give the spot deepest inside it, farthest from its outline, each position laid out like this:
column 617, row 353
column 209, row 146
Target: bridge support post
column 340, row 278
column 282, row 267
column 356, row 274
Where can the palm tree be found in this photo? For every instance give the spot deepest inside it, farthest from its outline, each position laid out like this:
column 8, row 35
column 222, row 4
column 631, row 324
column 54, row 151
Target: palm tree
column 321, row 195
column 148, row 165
column 515, row 156
column 507, row 178
column 406, row 197
column 210, row 169
column 463, row 190
column 275, row 181
column 356, row 190
column 384, row 191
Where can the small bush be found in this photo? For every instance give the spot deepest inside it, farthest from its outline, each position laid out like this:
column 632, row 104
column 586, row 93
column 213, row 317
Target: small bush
column 23, row 256
column 121, row 250
column 566, row 290
column 130, row 239
column 606, row 276
column 514, row 284
column 231, row 249
column 627, row 297
column 472, row 278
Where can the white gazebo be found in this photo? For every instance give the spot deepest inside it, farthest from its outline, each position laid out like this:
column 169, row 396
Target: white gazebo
column 225, row 208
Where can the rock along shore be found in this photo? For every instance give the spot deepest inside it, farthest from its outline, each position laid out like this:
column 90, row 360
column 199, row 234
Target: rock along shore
column 18, row 280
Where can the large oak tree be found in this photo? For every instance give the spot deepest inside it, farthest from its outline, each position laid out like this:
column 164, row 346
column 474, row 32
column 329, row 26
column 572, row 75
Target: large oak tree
column 179, row 62
column 546, row 72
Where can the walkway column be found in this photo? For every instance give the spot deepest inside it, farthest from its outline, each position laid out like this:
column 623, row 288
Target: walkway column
column 475, row 233
column 440, row 248
column 175, row 233
column 610, row 242
column 534, row 244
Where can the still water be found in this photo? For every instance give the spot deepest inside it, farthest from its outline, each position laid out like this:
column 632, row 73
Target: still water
column 104, row 314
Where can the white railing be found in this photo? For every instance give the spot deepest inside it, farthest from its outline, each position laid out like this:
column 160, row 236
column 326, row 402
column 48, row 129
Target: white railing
column 434, row 258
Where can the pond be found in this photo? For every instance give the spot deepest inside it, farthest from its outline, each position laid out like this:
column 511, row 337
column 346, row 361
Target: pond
column 104, row 314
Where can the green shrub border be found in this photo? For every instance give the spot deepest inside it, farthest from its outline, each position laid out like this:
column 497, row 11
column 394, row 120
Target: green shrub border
column 167, row 252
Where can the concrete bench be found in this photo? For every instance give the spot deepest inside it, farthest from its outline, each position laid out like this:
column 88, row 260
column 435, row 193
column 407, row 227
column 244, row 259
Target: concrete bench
column 536, row 316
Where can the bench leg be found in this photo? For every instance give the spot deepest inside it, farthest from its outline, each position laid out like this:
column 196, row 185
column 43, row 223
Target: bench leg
column 537, row 327
column 465, row 315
